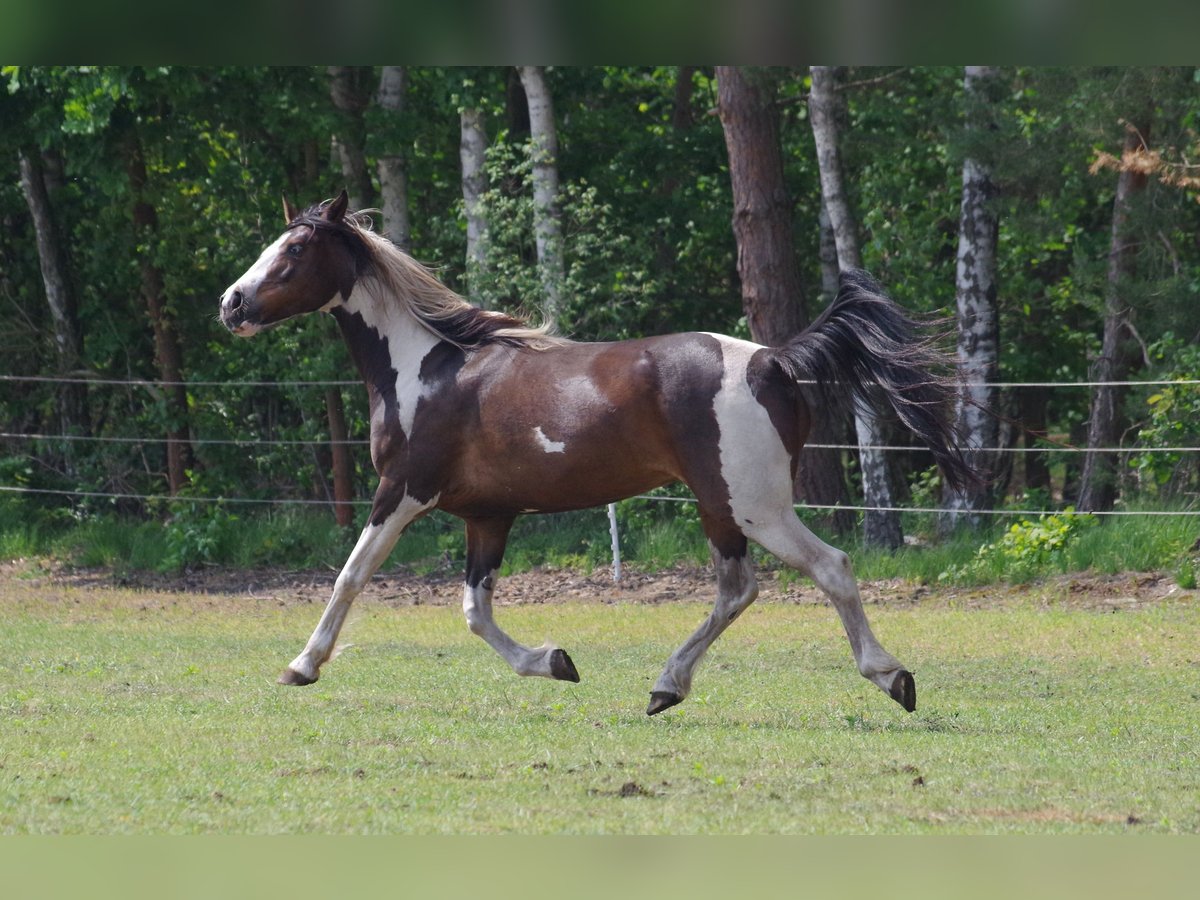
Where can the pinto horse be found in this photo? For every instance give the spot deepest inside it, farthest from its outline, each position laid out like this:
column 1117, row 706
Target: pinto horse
column 480, row 414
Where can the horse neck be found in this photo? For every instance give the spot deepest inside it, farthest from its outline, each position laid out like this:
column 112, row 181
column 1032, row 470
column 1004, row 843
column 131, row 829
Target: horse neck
column 385, row 340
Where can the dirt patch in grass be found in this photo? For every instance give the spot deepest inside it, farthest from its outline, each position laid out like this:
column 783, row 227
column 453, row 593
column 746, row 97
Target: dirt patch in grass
column 398, row 587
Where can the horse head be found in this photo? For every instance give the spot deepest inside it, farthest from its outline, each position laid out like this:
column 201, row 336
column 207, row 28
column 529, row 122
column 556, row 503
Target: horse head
column 312, row 266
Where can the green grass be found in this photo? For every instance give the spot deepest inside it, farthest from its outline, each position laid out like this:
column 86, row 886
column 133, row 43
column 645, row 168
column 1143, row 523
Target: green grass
column 156, row 713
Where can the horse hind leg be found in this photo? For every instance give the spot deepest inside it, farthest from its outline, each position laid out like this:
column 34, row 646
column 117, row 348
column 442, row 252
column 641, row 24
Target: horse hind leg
column 486, row 539
column 736, row 590
column 788, row 539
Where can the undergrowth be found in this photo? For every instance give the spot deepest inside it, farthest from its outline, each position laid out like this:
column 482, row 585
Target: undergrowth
column 653, row 536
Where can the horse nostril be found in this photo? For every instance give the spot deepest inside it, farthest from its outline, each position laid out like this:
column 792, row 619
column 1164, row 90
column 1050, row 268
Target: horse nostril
column 235, row 300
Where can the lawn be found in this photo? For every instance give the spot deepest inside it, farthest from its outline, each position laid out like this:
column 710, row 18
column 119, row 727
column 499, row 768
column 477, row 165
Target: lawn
column 156, row 713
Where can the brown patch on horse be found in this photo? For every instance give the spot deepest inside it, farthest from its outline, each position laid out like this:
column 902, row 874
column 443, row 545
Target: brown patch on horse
column 777, row 393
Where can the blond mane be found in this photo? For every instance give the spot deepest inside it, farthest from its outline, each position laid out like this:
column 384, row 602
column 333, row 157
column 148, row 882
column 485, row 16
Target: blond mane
column 436, row 307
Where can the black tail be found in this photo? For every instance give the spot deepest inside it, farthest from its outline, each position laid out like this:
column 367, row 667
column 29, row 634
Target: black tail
column 863, row 349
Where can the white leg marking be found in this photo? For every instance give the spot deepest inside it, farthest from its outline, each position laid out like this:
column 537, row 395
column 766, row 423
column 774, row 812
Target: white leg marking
column 477, row 607
column 374, row 544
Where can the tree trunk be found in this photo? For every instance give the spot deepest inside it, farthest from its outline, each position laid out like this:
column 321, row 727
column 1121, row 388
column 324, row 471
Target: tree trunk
column 547, row 217
column 881, row 525
column 392, row 168
column 1032, row 415
column 60, row 294
column 827, row 254
column 350, row 95
column 681, row 107
column 167, row 350
column 978, row 320
column 473, row 155
column 772, row 296
column 1098, row 484
column 343, row 469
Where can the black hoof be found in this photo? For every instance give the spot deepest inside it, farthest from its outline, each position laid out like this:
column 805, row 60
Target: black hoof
column 562, row 668
column 904, row 690
column 660, row 700
column 292, row 677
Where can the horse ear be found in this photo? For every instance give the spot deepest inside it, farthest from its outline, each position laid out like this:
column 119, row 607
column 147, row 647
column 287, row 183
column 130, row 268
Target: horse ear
column 337, row 208
column 290, row 213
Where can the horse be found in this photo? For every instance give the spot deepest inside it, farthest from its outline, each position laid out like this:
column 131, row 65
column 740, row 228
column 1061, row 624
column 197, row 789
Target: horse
column 487, row 416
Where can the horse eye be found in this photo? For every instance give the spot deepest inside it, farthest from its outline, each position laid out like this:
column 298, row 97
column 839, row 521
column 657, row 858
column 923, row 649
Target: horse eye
column 295, row 249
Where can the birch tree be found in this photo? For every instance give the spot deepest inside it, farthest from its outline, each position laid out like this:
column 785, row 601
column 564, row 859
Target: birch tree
column 772, row 295
column 473, row 156
column 391, row 165
column 881, row 526
column 547, row 216
column 977, row 317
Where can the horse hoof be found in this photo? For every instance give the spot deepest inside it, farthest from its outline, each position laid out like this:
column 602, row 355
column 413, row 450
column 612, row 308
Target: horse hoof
column 292, row 677
column 562, row 668
column 660, row 700
column 904, row 690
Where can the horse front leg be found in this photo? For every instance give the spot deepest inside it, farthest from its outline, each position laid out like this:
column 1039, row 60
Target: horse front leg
column 486, row 539
column 374, row 544
column 736, row 590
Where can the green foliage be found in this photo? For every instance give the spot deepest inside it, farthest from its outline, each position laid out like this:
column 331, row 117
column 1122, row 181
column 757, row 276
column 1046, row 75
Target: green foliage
column 649, row 249
column 1025, row 550
column 1173, row 420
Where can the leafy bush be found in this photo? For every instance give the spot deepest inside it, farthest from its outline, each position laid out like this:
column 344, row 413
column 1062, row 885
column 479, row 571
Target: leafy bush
column 1174, row 421
column 1025, row 550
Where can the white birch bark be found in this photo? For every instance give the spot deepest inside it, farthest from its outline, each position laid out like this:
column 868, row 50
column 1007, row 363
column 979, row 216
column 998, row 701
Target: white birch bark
column 881, row 526
column 391, row 166
column 473, row 153
column 547, row 217
column 977, row 318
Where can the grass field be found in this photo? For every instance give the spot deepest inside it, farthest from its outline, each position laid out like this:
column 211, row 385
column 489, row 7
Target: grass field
column 141, row 712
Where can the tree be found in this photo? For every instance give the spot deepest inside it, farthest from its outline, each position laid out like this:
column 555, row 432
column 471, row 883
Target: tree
column 881, row 525
column 978, row 318
column 391, row 165
column 547, row 221
column 772, row 294
column 60, row 292
column 473, row 154
column 349, row 91
column 167, row 350
column 1098, row 487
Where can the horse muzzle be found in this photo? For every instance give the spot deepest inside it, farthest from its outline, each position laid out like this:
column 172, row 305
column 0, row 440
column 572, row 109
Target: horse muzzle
column 238, row 313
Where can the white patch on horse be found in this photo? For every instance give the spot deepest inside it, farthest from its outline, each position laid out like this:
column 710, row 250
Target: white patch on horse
column 408, row 344
column 546, row 444
column 754, row 461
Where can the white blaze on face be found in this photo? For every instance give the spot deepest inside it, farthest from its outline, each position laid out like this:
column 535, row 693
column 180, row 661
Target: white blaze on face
column 546, row 444
column 249, row 283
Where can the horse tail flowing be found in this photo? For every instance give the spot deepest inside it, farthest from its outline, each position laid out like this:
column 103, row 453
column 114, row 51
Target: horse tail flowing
column 865, row 350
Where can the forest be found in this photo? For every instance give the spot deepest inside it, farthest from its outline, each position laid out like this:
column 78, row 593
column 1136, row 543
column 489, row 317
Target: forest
column 1045, row 218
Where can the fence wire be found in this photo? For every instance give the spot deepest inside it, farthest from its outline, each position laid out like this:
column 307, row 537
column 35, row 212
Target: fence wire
column 298, row 442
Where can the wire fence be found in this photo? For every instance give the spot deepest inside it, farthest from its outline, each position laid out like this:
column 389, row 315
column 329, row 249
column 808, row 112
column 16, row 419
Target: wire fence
column 250, row 442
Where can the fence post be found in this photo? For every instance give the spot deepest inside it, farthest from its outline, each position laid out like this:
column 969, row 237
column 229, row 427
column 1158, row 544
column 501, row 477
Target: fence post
column 616, row 543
